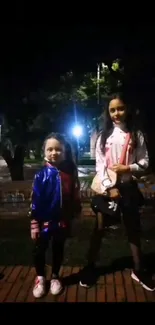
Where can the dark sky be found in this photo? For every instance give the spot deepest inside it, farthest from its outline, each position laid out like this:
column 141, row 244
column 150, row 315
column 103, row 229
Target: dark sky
column 32, row 56
column 41, row 46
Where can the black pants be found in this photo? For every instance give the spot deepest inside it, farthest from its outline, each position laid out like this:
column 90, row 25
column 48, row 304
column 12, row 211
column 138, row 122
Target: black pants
column 129, row 208
column 40, row 247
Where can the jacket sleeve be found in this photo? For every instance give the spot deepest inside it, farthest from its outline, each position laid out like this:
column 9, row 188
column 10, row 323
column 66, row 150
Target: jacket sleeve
column 37, row 188
column 101, row 169
column 142, row 158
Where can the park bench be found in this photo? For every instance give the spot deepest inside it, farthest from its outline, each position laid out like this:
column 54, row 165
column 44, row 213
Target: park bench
column 15, row 196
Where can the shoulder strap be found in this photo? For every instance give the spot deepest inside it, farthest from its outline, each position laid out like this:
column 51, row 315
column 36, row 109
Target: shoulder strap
column 124, row 150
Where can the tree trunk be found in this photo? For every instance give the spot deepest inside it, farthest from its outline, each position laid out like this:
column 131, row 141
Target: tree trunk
column 17, row 171
column 16, row 163
column 28, row 153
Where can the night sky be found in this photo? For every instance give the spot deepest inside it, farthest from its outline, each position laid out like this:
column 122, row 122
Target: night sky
column 33, row 56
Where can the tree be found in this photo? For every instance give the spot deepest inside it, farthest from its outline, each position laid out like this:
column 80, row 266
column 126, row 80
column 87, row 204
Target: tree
column 12, row 149
column 78, row 94
column 83, row 90
column 29, row 119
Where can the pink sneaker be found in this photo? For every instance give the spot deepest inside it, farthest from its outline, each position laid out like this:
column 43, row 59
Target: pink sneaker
column 39, row 287
column 55, row 287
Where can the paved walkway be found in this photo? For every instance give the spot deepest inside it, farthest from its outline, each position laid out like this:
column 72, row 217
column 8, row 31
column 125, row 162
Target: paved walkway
column 17, row 284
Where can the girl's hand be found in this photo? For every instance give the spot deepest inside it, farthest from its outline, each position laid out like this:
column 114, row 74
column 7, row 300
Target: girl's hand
column 35, row 230
column 114, row 193
column 120, row 169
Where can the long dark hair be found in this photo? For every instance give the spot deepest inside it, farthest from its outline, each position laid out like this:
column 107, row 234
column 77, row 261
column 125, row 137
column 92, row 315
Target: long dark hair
column 69, row 163
column 108, row 124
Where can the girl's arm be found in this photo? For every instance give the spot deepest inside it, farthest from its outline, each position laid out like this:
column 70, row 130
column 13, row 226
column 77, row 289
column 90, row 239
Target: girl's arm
column 36, row 194
column 101, row 167
column 142, row 158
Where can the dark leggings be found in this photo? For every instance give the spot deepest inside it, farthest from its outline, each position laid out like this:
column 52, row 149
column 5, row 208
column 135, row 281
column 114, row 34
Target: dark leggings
column 40, row 248
column 130, row 211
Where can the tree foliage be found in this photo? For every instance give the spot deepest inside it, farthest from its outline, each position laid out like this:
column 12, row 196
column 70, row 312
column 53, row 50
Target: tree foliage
column 33, row 116
column 84, row 89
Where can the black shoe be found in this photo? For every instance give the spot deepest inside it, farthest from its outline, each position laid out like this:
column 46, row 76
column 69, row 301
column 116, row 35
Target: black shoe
column 88, row 276
column 144, row 279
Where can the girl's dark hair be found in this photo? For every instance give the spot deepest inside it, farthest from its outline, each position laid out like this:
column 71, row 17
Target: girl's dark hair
column 108, row 124
column 69, row 152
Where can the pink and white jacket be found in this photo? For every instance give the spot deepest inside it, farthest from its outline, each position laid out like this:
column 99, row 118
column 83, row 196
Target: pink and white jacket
column 113, row 148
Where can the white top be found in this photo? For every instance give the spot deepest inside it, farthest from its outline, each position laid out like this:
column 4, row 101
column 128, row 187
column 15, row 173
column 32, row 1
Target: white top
column 116, row 141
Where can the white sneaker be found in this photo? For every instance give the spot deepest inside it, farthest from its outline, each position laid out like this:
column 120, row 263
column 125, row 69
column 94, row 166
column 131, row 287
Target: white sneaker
column 39, row 287
column 55, row 287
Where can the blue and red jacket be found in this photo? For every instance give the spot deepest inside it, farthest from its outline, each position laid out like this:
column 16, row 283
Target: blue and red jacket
column 55, row 195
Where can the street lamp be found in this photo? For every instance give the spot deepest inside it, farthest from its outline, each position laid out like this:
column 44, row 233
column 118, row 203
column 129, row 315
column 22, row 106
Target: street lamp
column 77, row 131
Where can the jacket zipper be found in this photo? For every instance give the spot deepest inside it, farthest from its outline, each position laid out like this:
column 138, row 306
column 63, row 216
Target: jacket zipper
column 48, row 164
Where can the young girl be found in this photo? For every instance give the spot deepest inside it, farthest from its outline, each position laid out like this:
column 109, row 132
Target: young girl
column 125, row 196
column 55, row 195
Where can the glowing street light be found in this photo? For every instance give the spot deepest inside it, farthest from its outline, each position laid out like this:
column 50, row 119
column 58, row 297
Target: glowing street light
column 77, row 131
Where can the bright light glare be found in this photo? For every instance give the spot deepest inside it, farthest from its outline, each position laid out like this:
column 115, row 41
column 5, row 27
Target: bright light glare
column 77, row 131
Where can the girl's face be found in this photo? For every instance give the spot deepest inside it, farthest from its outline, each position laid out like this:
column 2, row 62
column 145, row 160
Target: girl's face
column 54, row 151
column 117, row 111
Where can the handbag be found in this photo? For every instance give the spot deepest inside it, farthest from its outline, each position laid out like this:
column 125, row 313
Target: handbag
column 97, row 185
